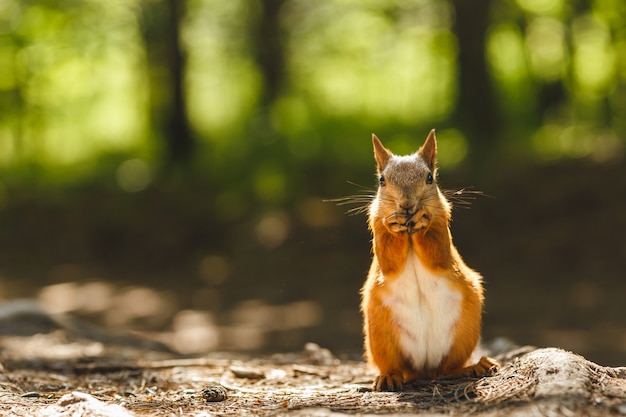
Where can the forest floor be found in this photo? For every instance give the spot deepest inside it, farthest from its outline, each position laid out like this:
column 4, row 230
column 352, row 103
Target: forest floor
column 553, row 270
column 62, row 373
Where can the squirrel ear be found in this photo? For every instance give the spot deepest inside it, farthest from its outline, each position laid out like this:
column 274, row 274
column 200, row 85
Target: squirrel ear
column 429, row 150
column 381, row 154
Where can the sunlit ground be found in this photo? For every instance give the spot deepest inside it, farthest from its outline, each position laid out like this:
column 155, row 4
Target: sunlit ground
column 185, row 331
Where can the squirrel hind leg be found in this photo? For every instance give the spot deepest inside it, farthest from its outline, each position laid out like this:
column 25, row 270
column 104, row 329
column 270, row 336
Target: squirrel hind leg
column 388, row 382
column 396, row 382
column 484, row 367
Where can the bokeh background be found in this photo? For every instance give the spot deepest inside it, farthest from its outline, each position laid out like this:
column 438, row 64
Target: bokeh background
column 164, row 164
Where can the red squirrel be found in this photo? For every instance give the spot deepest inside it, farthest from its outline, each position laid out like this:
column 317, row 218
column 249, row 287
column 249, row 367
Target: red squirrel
column 421, row 304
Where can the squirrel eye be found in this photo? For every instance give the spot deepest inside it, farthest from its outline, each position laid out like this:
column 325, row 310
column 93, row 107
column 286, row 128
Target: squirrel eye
column 429, row 178
column 381, row 180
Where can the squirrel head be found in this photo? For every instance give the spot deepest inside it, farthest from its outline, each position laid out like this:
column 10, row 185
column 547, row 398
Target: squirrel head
column 408, row 183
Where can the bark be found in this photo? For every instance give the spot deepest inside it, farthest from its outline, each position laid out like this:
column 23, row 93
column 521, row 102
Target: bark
column 161, row 27
column 270, row 54
column 476, row 111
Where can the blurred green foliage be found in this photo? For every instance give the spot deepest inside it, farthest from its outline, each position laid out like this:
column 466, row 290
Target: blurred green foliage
column 276, row 99
column 188, row 145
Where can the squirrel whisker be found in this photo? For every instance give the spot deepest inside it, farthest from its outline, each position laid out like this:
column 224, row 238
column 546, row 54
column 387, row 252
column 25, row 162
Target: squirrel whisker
column 462, row 198
column 363, row 201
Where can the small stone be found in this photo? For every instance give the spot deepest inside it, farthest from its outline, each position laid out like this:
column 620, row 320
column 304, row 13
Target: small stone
column 276, row 374
column 318, row 355
column 214, row 393
column 31, row 394
column 248, row 373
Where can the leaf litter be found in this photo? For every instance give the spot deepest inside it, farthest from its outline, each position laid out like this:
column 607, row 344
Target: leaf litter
column 38, row 380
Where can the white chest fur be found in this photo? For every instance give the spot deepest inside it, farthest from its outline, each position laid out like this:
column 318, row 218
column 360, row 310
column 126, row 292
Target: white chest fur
column 425, row 309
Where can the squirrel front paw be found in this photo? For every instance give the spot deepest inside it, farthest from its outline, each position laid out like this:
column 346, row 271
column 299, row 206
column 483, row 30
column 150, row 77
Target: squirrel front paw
column 400, row 223
column 417, row 221
column 396, row 223
column 396, row 227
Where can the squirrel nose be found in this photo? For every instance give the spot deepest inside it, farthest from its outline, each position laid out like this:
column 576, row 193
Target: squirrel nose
column 407, row 205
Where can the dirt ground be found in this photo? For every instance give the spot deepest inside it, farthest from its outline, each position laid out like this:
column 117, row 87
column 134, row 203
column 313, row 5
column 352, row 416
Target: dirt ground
column 63, row 373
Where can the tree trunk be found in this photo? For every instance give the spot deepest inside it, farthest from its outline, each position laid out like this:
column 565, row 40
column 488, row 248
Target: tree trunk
column 476, row 110
column 166, row 70
column 178, row 133
column 268, row 44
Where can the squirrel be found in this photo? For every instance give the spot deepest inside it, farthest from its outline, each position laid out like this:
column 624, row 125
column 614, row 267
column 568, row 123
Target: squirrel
column 421, row 303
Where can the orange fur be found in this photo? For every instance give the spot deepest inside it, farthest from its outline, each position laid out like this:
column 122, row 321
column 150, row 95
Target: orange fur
column 424, row 230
